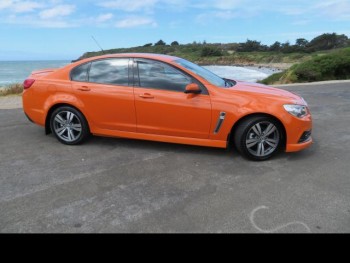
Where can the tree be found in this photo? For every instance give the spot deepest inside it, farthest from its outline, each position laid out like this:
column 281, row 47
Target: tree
column 148, row 45
column 275, row 46
column 174, row 43
column 251, row 45
column 328, row 41
column 286, row 47
column 301, row 42
column 160, row 43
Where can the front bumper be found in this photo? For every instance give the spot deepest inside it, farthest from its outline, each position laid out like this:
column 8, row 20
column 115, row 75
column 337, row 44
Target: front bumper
column 298, row 133
column 298, row 146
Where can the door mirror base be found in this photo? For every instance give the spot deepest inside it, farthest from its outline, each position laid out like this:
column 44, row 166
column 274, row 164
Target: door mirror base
column 192, row 88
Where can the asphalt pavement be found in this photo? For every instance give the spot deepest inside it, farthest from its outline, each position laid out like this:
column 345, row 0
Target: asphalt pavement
column 120, row 185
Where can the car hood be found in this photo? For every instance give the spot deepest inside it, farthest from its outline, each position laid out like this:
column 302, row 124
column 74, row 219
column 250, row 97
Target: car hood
column 264, row 90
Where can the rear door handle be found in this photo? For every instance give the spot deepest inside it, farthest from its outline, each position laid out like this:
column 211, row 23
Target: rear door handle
column 84, row 88
column 146, row 96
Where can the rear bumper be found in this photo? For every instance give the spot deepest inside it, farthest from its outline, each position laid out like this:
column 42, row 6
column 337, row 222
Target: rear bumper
column 31, row 108
column 29, row 117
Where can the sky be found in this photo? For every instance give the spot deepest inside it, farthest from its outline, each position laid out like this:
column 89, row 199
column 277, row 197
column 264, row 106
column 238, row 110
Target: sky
column 62, row 29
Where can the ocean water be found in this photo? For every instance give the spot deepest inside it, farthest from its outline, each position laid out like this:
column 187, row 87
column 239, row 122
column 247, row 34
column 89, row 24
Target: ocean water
column 18, row 71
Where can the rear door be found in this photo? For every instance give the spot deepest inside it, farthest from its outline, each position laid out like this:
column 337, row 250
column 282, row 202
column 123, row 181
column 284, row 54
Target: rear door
column 105, row 88
column 163, row 108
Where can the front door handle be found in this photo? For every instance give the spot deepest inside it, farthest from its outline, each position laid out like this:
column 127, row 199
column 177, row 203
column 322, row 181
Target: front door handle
column 146, row 96
column 84, row 88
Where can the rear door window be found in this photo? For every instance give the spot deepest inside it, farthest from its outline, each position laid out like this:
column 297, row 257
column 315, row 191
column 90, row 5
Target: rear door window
column 110, row 71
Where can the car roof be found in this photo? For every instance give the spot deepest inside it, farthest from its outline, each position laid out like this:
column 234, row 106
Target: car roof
column 161, row 57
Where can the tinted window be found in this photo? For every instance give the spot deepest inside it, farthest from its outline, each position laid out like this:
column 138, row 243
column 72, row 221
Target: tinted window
column 110, row 71
column 161, row 76
column 80, row 73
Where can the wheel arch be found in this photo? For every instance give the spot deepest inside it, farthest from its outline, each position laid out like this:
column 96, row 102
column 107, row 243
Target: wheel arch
column 243, row 118
column 52, row 109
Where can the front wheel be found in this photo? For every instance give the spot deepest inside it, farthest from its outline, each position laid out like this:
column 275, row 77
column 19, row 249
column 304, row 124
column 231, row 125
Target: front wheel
column 258, row 138
column 69, row 125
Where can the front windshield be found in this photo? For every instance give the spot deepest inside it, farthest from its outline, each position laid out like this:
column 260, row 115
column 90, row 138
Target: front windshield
column 204, row 73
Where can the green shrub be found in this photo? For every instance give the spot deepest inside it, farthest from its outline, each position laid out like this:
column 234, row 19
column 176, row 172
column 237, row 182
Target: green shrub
column 274, row 78
column 210, row 52
column 332, row 66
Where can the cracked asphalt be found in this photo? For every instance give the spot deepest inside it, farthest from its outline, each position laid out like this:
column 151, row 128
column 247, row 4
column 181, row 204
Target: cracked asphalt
column 119, row 185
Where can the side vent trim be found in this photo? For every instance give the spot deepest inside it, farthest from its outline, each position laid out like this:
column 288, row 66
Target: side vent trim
column 219, row 122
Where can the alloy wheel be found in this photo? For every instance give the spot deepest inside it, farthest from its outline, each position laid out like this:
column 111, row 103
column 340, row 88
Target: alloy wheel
column 262, row 139
column 67, row 126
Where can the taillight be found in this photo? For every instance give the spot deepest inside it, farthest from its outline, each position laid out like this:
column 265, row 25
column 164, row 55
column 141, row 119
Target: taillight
column 28, row 83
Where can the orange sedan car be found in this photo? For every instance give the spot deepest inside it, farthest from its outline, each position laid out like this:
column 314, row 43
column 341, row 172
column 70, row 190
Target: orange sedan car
column 167, row 99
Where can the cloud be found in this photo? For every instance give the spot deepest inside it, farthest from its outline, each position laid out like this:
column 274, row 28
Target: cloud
column 209, row 17
column 335, row 9
column 27, row 6
column 18, row 6
column 217, row 4
column 104, row 18
column 38, row 13
column 5, row 4
column 292, row 11
column 129, row 6
column 146, row 12
column 146, row 5
column 135, row 22
column 40, row 23
column 226, row 4
column 57, row 11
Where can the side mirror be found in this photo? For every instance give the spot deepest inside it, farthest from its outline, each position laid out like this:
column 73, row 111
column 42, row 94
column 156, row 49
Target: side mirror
column 193, row 88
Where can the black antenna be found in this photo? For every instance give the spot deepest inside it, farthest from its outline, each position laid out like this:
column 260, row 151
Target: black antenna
column 98, row 45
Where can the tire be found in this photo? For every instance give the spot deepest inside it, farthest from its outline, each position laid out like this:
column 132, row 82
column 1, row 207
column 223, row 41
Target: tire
column 258, row 138
column 69, row 125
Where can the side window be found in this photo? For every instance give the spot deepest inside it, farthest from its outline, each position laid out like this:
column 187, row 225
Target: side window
column 80, row 73
column 110, row 71
column 161, row 76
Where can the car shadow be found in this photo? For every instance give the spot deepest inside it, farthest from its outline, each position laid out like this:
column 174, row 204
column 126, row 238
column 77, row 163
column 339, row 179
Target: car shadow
column 109, row 143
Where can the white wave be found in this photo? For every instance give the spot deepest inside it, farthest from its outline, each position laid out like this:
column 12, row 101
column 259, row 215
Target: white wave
column 239, row 73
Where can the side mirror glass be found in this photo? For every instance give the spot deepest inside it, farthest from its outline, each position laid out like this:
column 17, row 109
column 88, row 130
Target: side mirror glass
column 193, row 88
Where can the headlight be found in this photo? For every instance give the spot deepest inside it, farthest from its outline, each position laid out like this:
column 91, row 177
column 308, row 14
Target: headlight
column 296, row 110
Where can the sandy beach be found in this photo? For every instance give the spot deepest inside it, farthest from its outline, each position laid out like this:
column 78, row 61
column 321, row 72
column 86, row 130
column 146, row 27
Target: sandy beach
column 11, row 102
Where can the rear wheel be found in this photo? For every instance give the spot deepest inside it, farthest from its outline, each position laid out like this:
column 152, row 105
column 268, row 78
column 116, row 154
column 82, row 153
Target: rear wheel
column 258, row 138
column 69, row 125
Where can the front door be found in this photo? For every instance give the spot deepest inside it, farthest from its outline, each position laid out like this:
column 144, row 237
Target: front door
column 161, row 105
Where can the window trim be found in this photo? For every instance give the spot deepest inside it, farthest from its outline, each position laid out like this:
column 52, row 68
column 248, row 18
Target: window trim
column 136, row 79
column 80, row 65
column 130, row 78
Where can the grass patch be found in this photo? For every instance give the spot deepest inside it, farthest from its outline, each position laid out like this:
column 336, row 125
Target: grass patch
column 11, row 89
